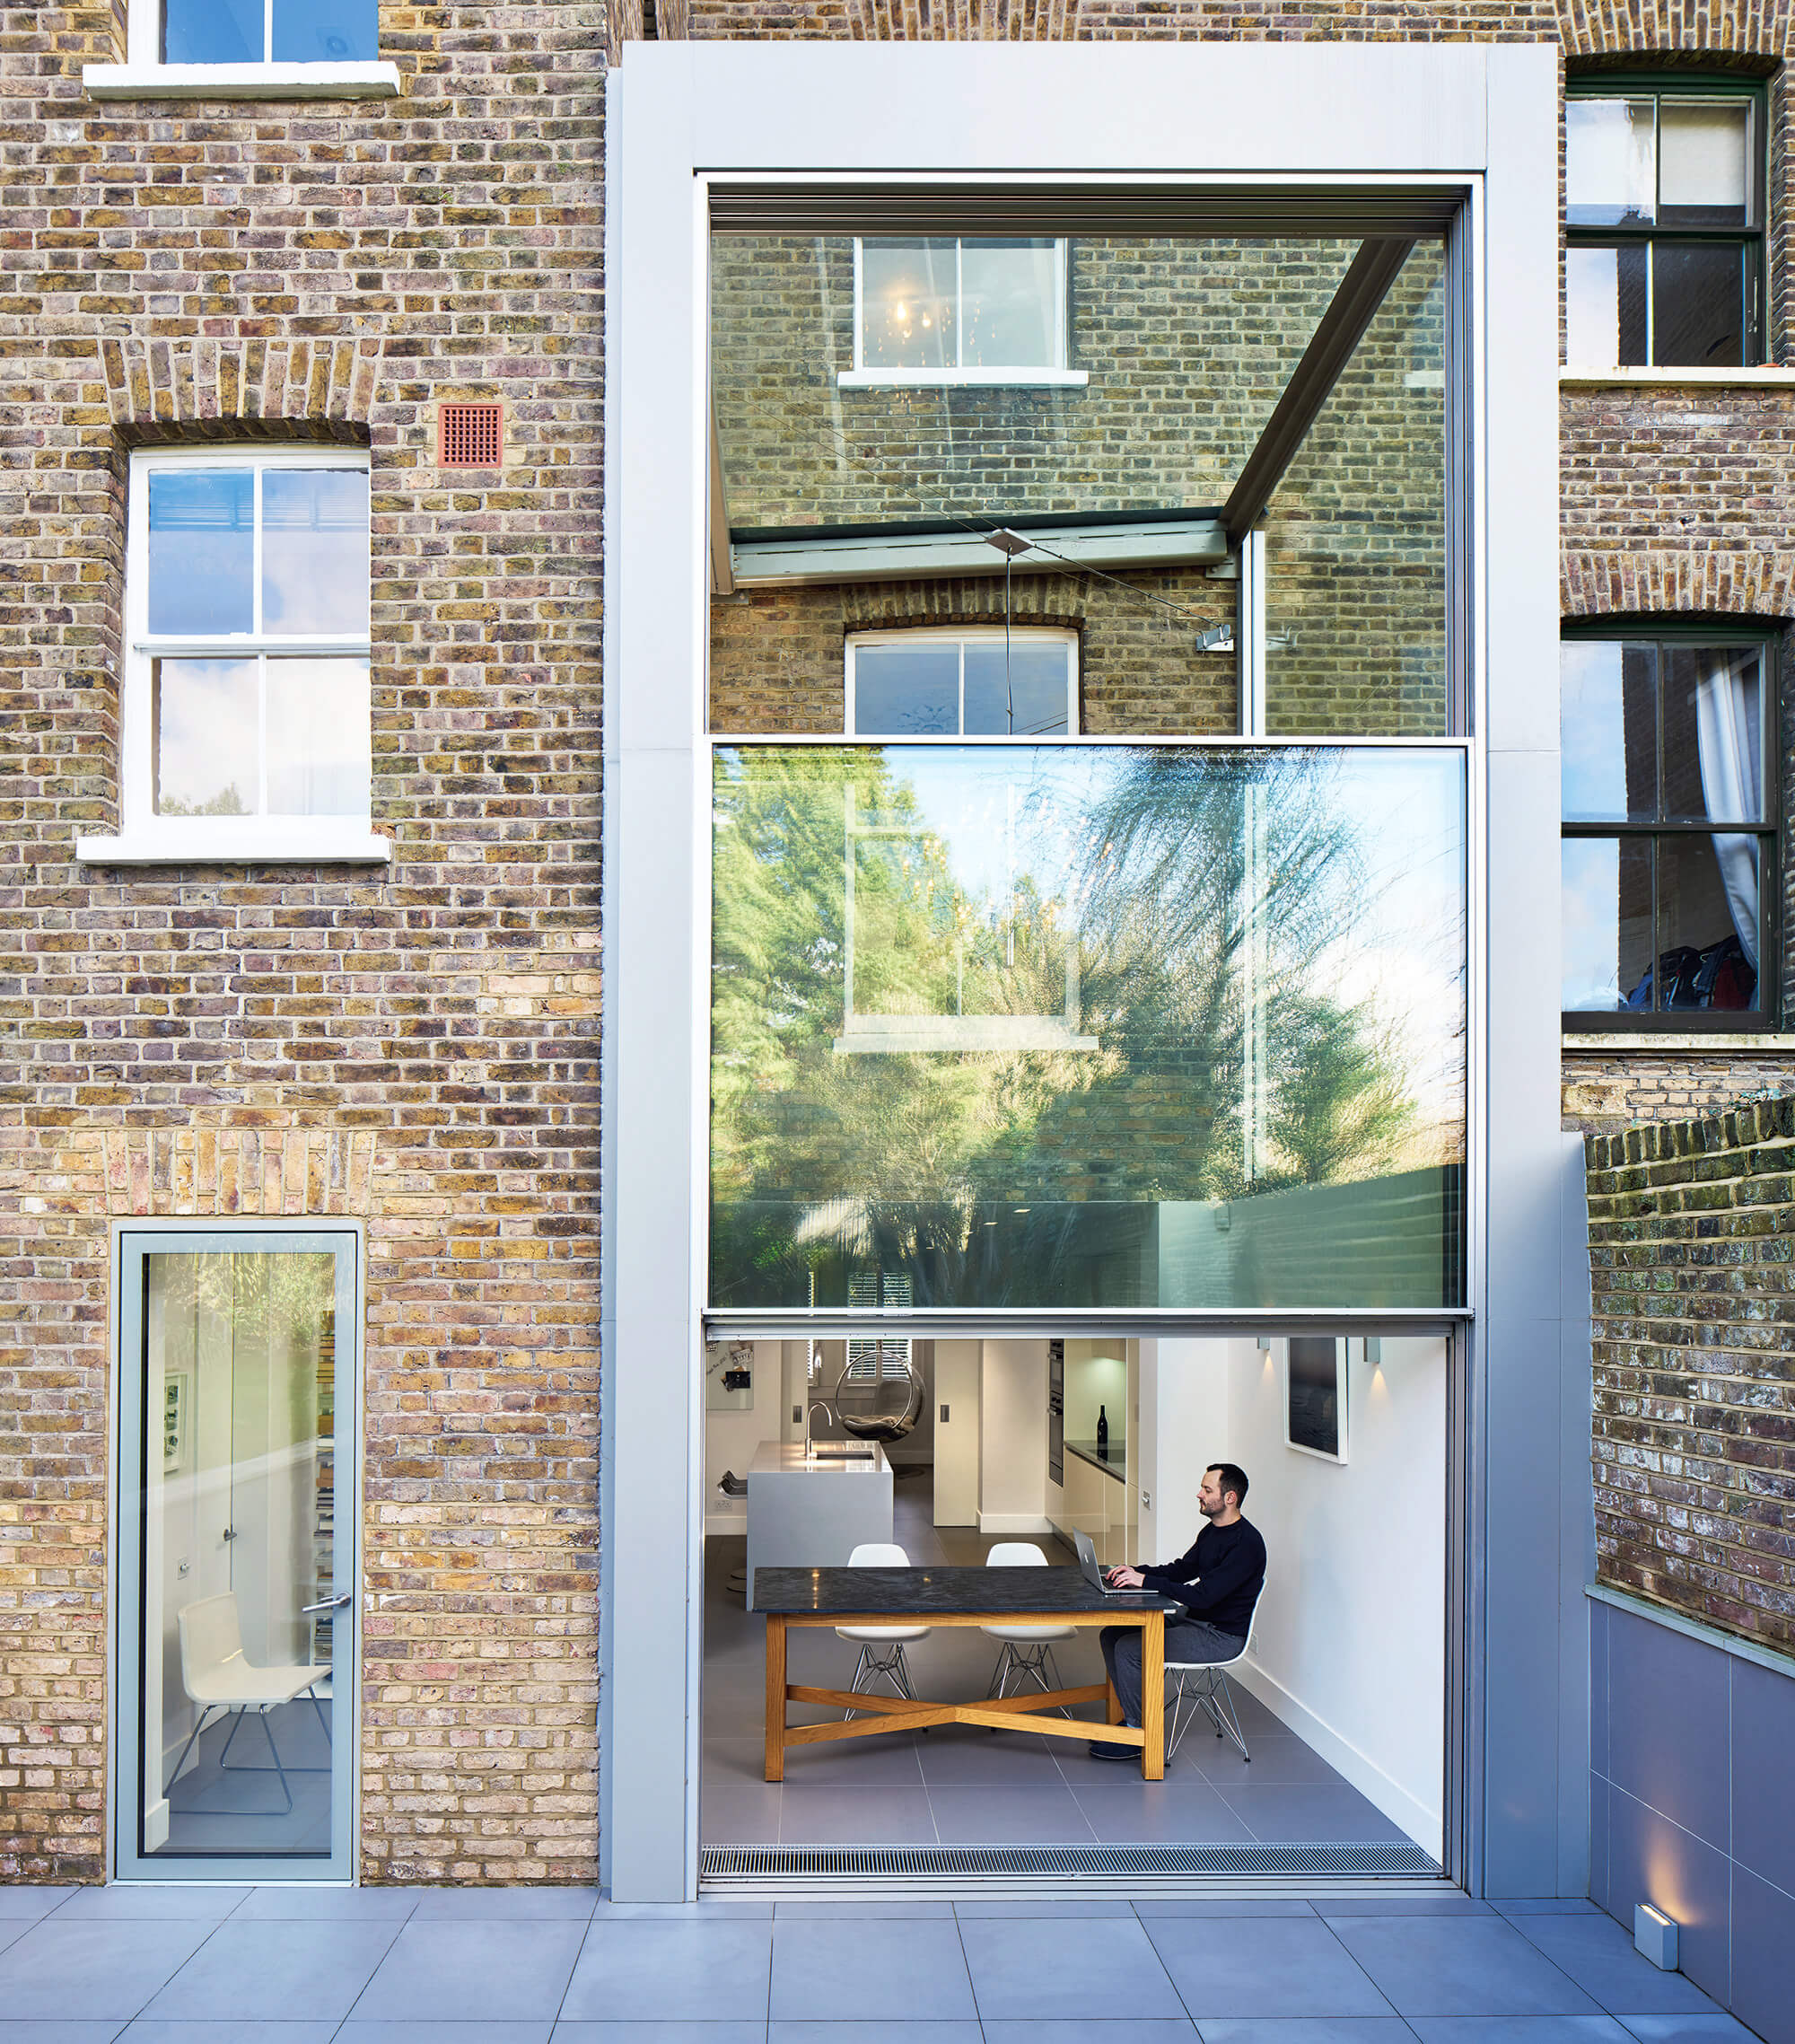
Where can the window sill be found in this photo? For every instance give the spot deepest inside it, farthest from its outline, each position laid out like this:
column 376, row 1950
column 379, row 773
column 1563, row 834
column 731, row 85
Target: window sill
column 238, row 845
column 956, row 378
column 242, row 80
column 1769, row 375
column 1609, row 1041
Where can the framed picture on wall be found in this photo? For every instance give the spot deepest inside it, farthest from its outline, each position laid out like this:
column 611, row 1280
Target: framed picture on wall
column 1315, row 1396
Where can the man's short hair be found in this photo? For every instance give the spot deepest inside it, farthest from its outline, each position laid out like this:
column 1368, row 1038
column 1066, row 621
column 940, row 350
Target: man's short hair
column 1234, row 1478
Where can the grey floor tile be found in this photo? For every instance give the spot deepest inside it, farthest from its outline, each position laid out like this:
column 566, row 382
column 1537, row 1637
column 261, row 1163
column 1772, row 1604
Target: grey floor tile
column 833, row 1912
column 32, row 1899
column 30, row 2032
column 82, row 1970
column 496, row 2031
column 1221, row 1906
column 1309, row 2029
column 147, row 1902
column 1263, row 1966
column 436, row 1905
column 741, row 1813
column 1600, row 1957
column 268, row 1972
column 659, row 2033
column 730, row 1763
column 1518, row 2029
column 473, row 1970
column 854, row 1763
column 1043, row 1813
column 333, row 1904
column 1278, row 1810
column 708, row 1908
column 231, row 2030
column 1152, row 2029
column 1442, row 1966
column 1280, row 1761
column 863, row 1817
column 1400, row 1906
column 1064, row 1970
column 1716, row 2028
column 969, row 1753
column 636, row 1971
column 893, row 2031
column 1547, row 1905
column 1161, row 1813
column 1001, row 1906
column 915, row 1971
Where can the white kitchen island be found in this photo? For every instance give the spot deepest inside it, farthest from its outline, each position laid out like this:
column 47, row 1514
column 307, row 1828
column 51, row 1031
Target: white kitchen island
column 813, row 1512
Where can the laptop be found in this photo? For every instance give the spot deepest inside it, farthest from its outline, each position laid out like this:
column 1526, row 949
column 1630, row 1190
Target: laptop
column 1089, row 1567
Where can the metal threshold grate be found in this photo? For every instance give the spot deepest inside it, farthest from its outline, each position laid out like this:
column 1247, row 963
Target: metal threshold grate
column 726, row 1866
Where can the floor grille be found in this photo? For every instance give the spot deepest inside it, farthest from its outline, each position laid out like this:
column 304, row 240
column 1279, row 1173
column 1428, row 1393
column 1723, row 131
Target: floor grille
column 958, row 1865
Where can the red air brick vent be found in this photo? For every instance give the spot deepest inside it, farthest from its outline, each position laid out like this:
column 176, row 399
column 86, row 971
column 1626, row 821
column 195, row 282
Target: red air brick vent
column 470, row 435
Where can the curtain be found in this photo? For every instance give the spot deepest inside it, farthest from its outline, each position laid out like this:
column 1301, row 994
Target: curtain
column 1728, row 728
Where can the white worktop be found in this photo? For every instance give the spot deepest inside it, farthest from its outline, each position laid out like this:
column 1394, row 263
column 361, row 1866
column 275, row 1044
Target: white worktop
column 788, row 1458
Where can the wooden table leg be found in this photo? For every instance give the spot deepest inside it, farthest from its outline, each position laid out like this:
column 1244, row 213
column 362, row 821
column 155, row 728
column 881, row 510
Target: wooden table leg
column 1153, row 1697
column 775, row 1698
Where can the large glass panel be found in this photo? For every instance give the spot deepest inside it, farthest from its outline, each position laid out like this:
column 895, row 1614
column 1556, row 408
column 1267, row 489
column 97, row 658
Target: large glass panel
column 239, row 1555
column 1113, row 1026
column 315, row 550
column 1708, row 914
column 202, row 550
column 1607, row 930
column 319, row 747
column 326, row 31
column 1698, row 304
column 1610, row 171
column 1713, row 733
column 212, row 31
column 206, row 738
column 1705, row 151
column 1355, row 536
column 1609, row 731
column 1008, row 315
column 909, row 291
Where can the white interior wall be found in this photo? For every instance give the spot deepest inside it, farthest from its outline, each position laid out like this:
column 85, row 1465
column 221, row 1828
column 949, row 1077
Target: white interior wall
column 730, row 1438
column 1012, row 1483
column 1096, row 1380
column 1349, row 1642
column 957, row 1365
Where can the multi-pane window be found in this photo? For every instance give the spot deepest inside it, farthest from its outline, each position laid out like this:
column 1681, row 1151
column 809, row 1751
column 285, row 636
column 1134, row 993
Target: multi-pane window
column 1664, row 219
column 248, row 694
column 978, row 684
column 264, row 31
column 1670, row 838
column 944, row 309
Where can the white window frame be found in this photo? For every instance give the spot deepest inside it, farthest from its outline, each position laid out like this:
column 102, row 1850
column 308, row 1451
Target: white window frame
column 964, row 636
column 145, row 838
column 144, row 77
column 860, row 377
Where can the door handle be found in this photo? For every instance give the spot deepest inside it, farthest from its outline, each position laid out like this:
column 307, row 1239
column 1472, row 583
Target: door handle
column 329, row 1604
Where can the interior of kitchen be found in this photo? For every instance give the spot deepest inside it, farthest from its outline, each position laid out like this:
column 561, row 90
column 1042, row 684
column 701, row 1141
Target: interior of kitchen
column 950, row 1449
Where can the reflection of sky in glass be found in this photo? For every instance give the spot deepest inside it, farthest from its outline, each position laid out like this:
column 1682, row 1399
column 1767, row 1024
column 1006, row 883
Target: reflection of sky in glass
column 1019, row 695
column 318, row 744
column 1591, row 977
column 1593, row 749
column 212, row 32
column 1592, row 308
column 326, row 31
column 202, row 550
column 206, row 737
column 314, row 550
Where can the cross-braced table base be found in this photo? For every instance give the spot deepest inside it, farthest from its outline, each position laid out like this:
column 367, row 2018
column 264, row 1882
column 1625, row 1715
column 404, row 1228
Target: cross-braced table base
column 902, row 1714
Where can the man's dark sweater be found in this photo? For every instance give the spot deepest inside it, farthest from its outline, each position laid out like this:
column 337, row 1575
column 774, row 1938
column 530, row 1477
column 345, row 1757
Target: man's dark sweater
column 1218, row 1581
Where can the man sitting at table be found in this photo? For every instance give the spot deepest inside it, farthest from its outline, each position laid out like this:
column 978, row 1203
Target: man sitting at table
column 1218, row 1582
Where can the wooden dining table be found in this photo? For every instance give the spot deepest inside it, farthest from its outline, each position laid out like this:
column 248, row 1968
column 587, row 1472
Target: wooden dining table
column 799, row 1597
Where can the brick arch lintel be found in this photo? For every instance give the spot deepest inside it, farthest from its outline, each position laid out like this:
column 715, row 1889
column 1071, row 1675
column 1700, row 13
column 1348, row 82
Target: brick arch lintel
column 1716, row 583
column 209, row 387
column 963, row 20
column 969, row 600
column 1662, row 29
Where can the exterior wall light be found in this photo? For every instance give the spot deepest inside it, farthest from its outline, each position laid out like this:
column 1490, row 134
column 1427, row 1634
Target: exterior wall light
column 1655, row 1935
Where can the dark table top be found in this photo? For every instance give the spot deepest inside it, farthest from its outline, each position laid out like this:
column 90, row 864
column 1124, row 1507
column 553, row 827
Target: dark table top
column 945, row 1592
column 1113, row 1460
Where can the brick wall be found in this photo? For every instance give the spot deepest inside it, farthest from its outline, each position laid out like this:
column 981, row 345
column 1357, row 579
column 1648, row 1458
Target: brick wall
column 1691, row 1226
column 417, row 1046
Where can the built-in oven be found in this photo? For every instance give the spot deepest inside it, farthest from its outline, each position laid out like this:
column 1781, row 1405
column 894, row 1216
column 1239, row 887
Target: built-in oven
column 1056, row 1412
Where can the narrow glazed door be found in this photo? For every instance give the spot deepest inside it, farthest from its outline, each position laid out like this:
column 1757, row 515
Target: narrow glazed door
column 240, row 1596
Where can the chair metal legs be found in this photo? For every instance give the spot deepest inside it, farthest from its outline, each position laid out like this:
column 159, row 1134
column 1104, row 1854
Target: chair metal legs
column 1203, row 1687
column 873, row 1662
column 1020, row 1663
column 237, row 1713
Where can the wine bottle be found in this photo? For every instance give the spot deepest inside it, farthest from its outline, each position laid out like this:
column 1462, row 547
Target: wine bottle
column 1102, row 1431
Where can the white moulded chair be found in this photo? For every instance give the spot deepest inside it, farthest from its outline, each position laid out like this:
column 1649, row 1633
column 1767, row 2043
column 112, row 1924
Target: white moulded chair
column 1026, row 1652
column 1195, row 1685
column 881, row 1647
column 217, row 1678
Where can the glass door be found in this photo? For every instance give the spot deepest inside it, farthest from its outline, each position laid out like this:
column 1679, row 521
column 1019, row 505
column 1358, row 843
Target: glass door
column 236, row 1589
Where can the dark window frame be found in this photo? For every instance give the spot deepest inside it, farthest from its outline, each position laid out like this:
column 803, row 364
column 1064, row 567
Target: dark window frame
column 1754, row 239
column 1765, row 1016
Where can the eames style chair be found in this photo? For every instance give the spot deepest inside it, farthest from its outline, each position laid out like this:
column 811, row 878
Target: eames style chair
column 881, row 1647
column 1192, row 1686
column 217, row 1678
column 1026, row 1652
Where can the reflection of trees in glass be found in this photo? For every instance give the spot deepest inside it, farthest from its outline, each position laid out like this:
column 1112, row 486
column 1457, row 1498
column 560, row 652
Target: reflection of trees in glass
column 227, row 801
column 1212, row 894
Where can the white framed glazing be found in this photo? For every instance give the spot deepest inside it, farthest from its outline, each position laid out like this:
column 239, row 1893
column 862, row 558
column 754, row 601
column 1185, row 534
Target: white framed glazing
column 1058, row 372
column 265, row 822
column 689, row 123
column 323, row 75
column 138, row 1837
column 1033, row 637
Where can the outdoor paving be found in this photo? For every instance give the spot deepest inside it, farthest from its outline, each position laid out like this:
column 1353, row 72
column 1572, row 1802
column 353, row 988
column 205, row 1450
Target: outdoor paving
column 147, row 1965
